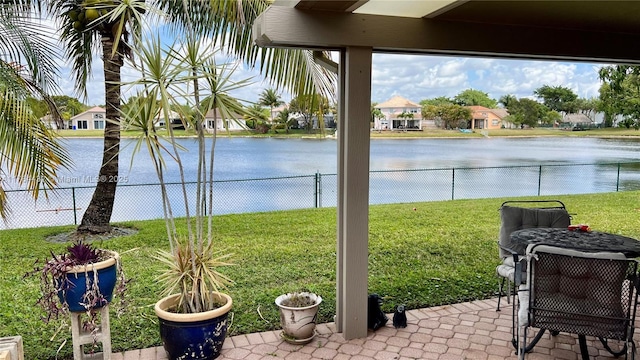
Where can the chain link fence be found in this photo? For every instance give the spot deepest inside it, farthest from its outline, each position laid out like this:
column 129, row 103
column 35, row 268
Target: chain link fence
column 65, row 206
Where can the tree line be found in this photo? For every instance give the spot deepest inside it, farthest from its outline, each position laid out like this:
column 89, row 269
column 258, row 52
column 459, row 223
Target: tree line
column 555, row 100
column 619, row 99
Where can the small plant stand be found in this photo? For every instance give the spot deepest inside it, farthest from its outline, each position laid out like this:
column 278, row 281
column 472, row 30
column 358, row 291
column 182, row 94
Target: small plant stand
column 82, row 337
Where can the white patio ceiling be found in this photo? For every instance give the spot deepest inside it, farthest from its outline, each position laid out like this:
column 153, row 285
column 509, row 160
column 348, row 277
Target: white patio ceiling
column 593, row 31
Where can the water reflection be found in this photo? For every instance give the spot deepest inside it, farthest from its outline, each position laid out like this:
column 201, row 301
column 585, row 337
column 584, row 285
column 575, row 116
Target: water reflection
column 452, row 169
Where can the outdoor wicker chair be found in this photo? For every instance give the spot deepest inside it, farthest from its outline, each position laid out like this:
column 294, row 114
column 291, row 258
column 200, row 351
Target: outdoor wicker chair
column 588, row 294
column 518, row 215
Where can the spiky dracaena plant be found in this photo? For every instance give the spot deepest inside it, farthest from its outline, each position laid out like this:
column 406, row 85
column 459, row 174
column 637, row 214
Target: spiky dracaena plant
column 185, row 73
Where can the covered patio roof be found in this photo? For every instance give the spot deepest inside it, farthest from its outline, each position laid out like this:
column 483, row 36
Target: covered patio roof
column 593, row 31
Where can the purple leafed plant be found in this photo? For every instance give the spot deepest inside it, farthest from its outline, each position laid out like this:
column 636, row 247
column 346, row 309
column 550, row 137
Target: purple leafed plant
column 54, row 281
column 82, row 253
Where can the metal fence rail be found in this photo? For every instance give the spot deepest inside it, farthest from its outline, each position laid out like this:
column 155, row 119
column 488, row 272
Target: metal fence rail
column 65, row 206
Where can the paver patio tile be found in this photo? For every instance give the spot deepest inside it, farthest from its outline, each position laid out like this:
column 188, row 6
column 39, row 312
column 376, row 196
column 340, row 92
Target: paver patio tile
column 439, row 340
column 350, row 349
column 254, row 338
column 411, row 353
column 269, row 336
column 462, row 336
column 324, row 353
column 464, row 329
column 435, row 348
column 469, row 317
column 332, row 345
column 401, row 342
column 386, row 355
column 296, row 356
column 458, row 343
column 442, row 333
column 288, row 347
column 264, row 349
column 324, row 329
column 429, row 324
column 469, row 331
column 484, row 326
column 475, row 346
column 450, row 320
column 237, row 353
column 368, row 353
column 361, row 357
column 132, row 355
column 503, row 351
column 392, row 348
column 420, row 338
column 562, row 354
column 480, row 339
column 240, row 340
column 148, row 354
column 375, row 345
column 475, row 354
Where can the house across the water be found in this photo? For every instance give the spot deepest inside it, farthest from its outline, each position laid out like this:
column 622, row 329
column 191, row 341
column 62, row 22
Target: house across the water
column 399, row 114
column 92, row 119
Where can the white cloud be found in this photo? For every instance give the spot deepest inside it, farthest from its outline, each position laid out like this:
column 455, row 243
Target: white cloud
column 419, row 77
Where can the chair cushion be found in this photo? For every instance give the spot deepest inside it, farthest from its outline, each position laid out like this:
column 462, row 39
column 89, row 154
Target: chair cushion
column 508, row 270
column 516, row 218
column 575, row 292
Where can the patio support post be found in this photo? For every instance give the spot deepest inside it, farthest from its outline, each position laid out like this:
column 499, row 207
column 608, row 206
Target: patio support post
column 353, row 191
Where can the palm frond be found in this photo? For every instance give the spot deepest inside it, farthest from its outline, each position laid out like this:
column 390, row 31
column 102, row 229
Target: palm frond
column 229, row 23
column 29, row 151
column 28, row 46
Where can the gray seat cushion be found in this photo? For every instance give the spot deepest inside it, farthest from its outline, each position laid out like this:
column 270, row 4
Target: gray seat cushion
column 516, row 218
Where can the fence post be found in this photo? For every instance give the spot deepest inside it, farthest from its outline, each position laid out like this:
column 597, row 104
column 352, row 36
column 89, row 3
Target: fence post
column 75, row 214
column 539, row 179
column 618, row 179
column 453, row 183
column 319, row 182
column 315, row 190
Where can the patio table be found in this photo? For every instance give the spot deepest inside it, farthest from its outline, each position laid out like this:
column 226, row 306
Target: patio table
column 587, row 241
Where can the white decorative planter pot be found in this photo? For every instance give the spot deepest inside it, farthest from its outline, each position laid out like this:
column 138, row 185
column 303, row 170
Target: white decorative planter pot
column 298, row 323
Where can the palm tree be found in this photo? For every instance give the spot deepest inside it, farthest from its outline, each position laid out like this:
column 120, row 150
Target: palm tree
column 283, row 120
column 257, row 118
column 110, row 24
column 269, row 97
column 29, row 152
column 105, row 25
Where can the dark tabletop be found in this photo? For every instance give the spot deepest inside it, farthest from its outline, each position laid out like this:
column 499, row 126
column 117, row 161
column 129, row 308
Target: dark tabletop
column 589, row 241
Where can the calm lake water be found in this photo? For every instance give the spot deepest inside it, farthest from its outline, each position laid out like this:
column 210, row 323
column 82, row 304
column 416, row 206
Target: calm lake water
column 251, row 158
column 458, row 168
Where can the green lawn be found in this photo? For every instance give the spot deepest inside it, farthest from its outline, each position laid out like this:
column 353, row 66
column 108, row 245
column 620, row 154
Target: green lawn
column 441, row 252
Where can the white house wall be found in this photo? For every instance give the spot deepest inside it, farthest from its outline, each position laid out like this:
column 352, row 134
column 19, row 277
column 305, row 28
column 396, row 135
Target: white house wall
column 88, row 121
column 232, row 125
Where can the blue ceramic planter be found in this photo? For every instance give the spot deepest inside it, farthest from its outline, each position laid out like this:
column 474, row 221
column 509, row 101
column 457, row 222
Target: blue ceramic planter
column 197, row 336
column 77, row 276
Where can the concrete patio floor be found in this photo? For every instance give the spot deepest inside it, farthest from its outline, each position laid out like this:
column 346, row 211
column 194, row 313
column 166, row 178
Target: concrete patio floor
column 472, row 330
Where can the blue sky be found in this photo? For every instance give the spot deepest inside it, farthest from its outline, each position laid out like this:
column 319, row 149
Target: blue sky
column 418, row 77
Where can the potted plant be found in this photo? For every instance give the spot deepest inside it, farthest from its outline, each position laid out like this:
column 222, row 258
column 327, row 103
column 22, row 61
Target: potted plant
column 82, row 279
column 193, row 312
column 298, row 314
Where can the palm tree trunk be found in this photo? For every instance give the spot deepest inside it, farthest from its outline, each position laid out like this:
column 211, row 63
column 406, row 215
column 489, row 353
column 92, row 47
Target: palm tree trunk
column 96, row 218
